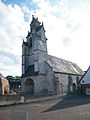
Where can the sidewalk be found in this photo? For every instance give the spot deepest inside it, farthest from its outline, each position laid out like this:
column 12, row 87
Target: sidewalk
column 32, row 100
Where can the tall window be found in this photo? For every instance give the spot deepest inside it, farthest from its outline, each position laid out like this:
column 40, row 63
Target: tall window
column 30, row 42
column 70, row 81
column 25, row 51
column 77, row 80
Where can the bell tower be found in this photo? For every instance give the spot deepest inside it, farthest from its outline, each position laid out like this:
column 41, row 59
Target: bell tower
column 34, row 50
column 37, row 74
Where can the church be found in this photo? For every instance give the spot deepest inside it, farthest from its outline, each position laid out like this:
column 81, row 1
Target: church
column 43, row 74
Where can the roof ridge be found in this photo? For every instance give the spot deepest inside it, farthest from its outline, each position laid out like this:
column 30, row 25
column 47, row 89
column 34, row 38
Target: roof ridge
column 1, row 75
column 84, row 74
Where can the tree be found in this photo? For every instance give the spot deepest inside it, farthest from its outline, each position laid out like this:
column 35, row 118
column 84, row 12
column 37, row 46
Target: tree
column 9, row 77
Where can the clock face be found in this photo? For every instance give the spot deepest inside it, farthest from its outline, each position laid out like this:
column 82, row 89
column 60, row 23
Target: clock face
column 41, row 43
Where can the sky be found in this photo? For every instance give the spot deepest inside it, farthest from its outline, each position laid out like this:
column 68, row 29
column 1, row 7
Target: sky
column 67, row 25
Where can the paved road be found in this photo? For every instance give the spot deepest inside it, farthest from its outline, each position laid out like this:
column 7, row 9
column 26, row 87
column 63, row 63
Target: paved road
column 71, row 108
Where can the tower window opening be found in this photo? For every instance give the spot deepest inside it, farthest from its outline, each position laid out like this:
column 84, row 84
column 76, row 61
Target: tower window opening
column 25, row 51
column 30, row 42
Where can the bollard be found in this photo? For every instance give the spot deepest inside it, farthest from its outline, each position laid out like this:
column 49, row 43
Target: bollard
column 22, row 99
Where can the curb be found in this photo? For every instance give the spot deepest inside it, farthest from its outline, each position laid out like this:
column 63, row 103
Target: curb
column 33, row 101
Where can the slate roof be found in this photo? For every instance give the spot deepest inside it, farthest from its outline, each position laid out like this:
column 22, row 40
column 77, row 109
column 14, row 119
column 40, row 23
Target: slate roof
column 1, row 75
column 85, row 79
column 64, row 66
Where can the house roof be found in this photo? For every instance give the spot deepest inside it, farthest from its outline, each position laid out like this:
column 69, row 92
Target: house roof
column 64, row 66
column 1, row 75
column 85, row 79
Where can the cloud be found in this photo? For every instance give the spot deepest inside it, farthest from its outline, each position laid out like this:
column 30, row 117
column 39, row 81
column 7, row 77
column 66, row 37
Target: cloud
column 13, row 29
column 67, row 19
column 67, row 26
column 9, row 58
column 66, row 41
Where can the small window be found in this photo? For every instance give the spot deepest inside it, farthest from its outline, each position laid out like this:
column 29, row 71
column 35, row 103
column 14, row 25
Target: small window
column 83, row 81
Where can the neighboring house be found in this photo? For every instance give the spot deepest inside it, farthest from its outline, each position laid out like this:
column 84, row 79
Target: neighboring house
column 4, row 85
column 85, row 82
column 42, row 73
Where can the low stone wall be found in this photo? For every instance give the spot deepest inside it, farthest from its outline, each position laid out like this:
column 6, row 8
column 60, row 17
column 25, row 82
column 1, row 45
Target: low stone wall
column 9, row 97
column 17, row 97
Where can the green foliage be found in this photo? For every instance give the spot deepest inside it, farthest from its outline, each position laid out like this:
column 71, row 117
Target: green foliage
column 9, row 77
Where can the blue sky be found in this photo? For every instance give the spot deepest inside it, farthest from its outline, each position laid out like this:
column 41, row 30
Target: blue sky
column 67, row 25
column 28, row 3
column 21, row 3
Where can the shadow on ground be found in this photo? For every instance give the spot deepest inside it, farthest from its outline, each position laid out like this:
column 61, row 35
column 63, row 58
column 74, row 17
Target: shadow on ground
column 69, row 102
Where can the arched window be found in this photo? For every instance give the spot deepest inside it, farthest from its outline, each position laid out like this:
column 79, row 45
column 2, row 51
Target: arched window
column 29, row 86
column 77, row 80
column 70, row 80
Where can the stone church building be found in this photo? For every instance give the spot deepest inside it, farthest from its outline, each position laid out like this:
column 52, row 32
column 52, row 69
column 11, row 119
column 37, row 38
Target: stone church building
column 42, row 73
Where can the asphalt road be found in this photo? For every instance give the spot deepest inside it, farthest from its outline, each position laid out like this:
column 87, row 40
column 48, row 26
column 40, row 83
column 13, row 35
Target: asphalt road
column 68, row 108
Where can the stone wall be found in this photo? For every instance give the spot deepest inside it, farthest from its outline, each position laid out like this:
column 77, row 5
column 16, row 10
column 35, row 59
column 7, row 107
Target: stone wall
column 9, row 97
column 64, row 82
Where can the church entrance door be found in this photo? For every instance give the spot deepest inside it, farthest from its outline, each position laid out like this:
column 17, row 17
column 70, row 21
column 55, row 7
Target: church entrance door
column 29, row 86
